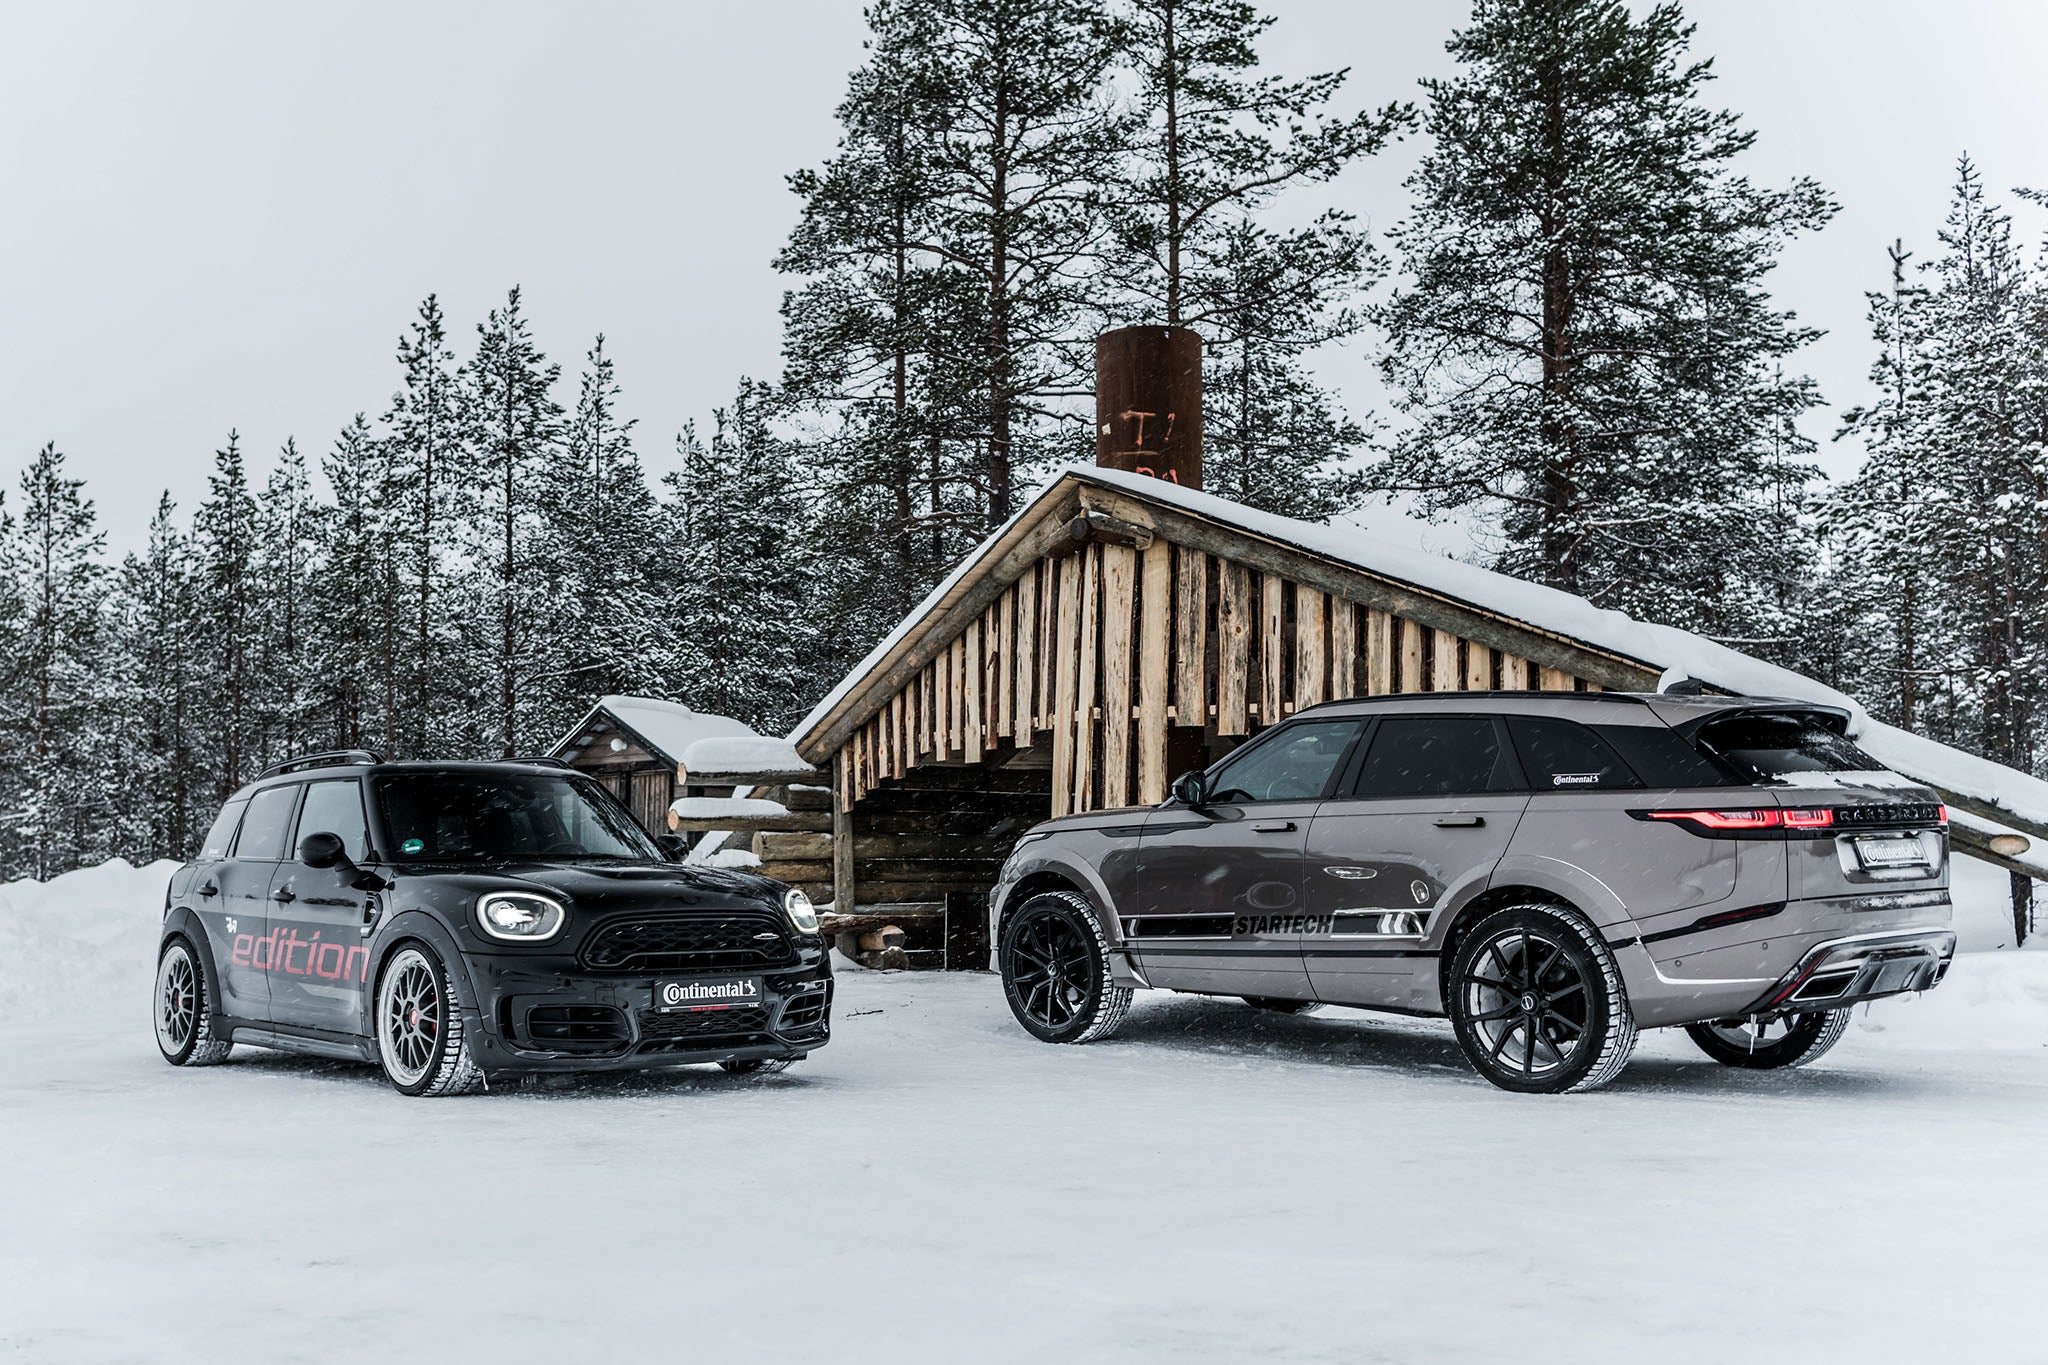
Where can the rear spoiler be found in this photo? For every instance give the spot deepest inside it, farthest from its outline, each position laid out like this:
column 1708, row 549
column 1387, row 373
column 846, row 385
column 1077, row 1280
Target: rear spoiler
column 1690, row 721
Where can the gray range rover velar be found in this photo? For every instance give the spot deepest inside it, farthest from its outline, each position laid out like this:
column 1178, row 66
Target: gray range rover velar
column 1553, row 871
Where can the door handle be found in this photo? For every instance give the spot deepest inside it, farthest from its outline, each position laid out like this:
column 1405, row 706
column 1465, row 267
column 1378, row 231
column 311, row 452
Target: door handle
column 284, row 894
column 209, row 890
column 1461, row 822
column 1273, row 827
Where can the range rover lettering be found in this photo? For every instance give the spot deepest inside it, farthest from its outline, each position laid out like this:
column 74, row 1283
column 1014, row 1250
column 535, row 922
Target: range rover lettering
column 455, row 921
column 1553, row 872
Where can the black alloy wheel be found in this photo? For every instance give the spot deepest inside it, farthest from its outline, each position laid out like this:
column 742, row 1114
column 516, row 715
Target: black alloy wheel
column 1056, row 973
column 1538, row 1003
column 1765, row 1044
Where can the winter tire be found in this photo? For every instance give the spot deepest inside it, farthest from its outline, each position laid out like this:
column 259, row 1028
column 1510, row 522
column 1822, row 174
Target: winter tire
column 420, row 1038
column 184, row 1009
column 1766, row 1044
column 1267, row 1002
column 1056, row 973
column 758, row 1066
column 1538, row 1002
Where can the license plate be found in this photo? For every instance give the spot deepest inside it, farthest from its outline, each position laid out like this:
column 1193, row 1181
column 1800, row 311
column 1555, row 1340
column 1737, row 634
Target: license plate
column 1889, row 852
column 720, row 994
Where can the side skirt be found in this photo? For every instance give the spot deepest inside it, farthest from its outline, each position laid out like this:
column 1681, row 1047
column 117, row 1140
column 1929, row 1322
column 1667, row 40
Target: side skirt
column 312, row 1045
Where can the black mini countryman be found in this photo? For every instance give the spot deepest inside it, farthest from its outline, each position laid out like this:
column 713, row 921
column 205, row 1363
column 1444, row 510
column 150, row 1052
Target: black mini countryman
column 456, row 921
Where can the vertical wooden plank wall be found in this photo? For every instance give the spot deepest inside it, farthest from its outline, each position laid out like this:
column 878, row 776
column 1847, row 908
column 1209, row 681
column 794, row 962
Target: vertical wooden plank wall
column 1102, row 650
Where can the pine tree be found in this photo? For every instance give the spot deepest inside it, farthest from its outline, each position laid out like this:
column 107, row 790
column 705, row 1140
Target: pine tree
column 58, row 707
column 159, row 673
column 357, row 593
column 427, row 449
column 227, row 535
column 518, row 426
column 282, row 568
column 741, row 572
column 1585, row 342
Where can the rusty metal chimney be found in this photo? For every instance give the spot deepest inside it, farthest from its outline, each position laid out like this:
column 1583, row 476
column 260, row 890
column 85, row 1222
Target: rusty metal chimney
column 1148, row 402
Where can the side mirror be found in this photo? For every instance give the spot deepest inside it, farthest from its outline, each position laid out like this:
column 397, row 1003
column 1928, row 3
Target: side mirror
column 674, row 845
column 322, row 851
column 1190, row 789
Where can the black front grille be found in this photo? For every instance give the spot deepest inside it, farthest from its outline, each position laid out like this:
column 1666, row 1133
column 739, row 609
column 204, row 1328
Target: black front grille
column 692, row 1030
column 690, row 943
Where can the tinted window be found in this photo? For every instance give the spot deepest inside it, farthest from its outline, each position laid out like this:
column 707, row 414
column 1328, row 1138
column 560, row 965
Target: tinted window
column 1434, row 756
column 1563, row 755
column 222, row 836
column 268, row 824
column 334, row 808
column 1771, row 746
column 483, row 816
column 1295, row 764
column 1661, row 757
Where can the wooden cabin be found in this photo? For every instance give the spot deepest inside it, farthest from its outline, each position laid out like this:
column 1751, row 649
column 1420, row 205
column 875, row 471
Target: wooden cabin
column 635, row 747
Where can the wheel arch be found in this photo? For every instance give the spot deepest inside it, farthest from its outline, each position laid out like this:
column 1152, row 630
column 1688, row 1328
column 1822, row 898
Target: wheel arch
column 1468, row 917
column 182, row 923
column 1040, row 882
column 409, row 927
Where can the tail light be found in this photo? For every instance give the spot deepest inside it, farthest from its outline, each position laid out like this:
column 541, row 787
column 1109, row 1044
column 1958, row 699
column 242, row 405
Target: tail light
column 1758, row 820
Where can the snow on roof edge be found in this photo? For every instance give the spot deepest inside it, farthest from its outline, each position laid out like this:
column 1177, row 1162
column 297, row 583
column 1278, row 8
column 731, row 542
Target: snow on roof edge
column 1661, row 647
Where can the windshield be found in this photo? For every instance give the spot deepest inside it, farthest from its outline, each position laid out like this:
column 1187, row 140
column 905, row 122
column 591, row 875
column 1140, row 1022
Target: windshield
column 486, row 817
column 1774, row 745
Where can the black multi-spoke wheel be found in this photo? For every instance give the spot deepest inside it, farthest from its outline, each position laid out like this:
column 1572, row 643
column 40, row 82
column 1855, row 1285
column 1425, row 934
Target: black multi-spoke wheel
column 1538, row 1003
column 420, row 1037
column 1764, row 1044
column 1056, row 972
column 183, row 1008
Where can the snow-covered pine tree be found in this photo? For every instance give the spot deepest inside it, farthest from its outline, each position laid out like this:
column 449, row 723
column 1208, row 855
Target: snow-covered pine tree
column 428, row 447
column 282, row 570
column 518, row 431
column 874, row 341
column 357, row 594
column 62, row 809
column 226, row 535
column 159, row 677
column 1022, row 138
column 603, row 613
column 1216, row 142
column 739, row 571
column 1584, row 343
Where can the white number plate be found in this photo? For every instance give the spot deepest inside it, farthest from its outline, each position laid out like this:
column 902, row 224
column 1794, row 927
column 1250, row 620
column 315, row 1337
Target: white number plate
column 1889, row 852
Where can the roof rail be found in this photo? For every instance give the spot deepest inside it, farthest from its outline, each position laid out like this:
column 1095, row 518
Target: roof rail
column 334, row 758
column 540, row 761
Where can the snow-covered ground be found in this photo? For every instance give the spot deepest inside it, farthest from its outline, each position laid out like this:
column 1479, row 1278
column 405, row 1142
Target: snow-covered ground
column 1213, row 1184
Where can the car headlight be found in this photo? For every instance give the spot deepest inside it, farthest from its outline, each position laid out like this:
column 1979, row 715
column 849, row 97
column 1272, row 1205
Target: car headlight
column 519, row 916
column 801, row 912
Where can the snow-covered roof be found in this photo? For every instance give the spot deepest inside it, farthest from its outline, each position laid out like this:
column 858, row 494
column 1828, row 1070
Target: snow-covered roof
column 743, row 754
column 668, row 728
column 1657, row 648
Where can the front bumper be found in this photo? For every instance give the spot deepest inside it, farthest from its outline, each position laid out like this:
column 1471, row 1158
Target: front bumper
column 532, row 1018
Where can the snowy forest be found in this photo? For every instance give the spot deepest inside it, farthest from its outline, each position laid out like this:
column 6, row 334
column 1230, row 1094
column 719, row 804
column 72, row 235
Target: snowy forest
column 1571, row 311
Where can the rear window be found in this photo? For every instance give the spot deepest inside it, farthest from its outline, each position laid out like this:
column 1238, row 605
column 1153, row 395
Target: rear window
column 1765, row 747
column 1563, row 755
column 221, row 837
column 1661, row 757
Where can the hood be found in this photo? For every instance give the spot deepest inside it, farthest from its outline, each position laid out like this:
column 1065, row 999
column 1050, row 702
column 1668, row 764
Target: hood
column 614, row 887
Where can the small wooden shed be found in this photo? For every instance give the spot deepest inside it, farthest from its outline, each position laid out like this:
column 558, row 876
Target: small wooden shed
column 635, row 746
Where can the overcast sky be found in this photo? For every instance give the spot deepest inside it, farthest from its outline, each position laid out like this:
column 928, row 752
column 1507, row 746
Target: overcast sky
column 221, row 215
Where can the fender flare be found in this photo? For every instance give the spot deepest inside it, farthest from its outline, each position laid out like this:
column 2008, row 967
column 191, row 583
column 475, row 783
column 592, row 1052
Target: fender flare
column 183, row 922
column 393, row 933
column 1080, row 874
column 1568, row 882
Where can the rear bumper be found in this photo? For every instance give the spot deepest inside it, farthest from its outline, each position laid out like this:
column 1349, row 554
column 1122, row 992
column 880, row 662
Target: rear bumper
column 545, row 1021
column 1860, row 967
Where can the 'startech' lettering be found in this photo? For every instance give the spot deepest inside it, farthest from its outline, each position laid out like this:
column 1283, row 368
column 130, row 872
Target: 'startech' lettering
column 1251, row 926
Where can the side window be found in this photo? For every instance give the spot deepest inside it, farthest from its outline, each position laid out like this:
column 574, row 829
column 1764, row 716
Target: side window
column 334, row 808
column 1434, row 756
column 1563, row 755
column 268, row 824
column 221, row 837
column 1295, row 764
column 1661, row 757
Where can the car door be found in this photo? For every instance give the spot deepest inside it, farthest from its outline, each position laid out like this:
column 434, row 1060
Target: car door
column 244, row 881
column 1218, row 905
column 232, row 937
column 1420, row 826
column 317, row 917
